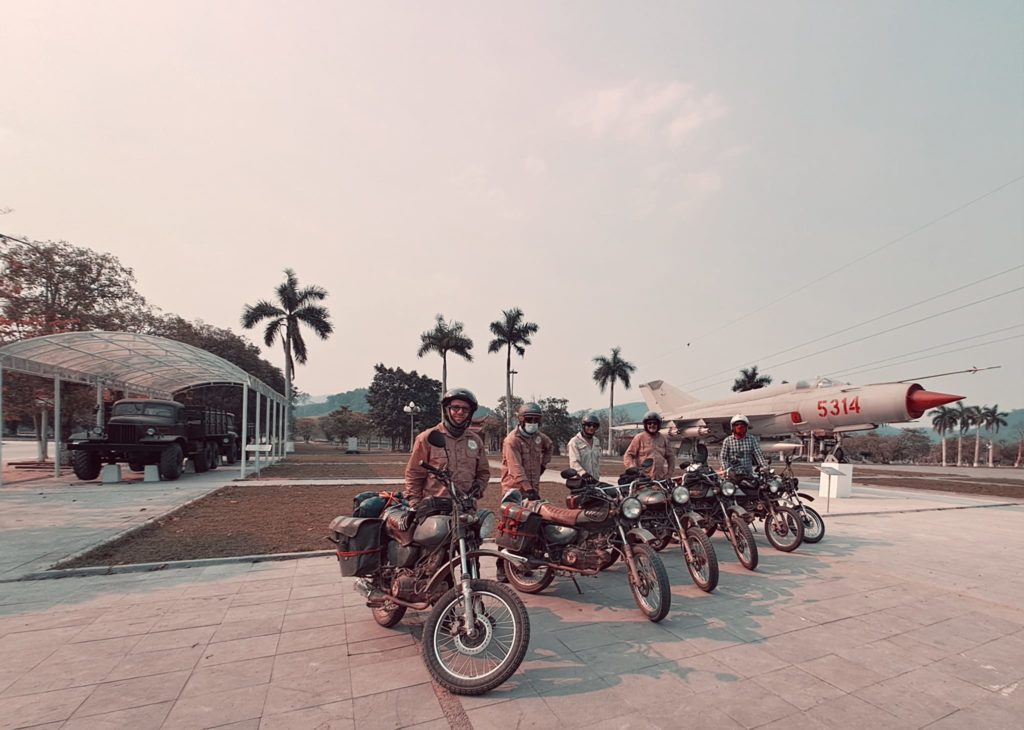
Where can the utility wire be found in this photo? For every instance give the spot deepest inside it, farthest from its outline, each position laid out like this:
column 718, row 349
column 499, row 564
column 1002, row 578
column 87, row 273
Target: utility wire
column 883, row 332
column 938, row 354
column 857, row 260
column 855, row 326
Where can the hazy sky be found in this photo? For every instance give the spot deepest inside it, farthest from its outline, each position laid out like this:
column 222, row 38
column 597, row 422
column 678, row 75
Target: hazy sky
column 632, row 174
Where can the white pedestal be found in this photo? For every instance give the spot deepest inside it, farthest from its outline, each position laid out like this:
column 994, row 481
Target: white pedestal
column 110, row 473
column 152, row 473
column 836, row 480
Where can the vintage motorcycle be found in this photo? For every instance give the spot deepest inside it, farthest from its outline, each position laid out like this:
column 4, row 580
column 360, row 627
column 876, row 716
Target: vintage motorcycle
column 666, row 515
column 714, row 502
column 598, row 525
column 477, row 632
column 814, row 526
column 759, row 493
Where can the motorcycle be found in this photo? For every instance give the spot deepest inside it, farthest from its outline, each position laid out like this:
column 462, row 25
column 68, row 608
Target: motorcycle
column 667, row 514
column 814, row 526
column 759, row 493
column 477, row 631
column 714, row 503
column 598, row 525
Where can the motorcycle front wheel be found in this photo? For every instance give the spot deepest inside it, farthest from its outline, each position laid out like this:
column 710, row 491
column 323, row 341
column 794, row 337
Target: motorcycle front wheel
column 651, row 589
column 526, row 579
column 814, row 526
column 704, row 568
column 745, row 547
column 784, row 529
column 473, row 665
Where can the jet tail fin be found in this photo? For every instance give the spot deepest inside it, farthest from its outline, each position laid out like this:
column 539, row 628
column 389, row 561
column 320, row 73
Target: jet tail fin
column 665, row 398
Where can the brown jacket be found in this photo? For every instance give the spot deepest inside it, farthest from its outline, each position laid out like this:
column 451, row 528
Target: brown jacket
column 466, row 458
column 523, row 460
column 645, row 446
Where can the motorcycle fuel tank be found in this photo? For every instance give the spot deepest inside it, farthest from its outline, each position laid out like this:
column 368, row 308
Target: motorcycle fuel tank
column 433, row 530
column 402, row 557
column 559, row 534
column 652, row 498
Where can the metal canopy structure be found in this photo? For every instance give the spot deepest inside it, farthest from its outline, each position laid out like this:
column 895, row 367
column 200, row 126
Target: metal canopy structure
column 137, row 363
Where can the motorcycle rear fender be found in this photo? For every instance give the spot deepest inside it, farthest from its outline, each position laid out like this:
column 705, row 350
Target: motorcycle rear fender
column 481, row 553
column 639, row 534
column 808, row 497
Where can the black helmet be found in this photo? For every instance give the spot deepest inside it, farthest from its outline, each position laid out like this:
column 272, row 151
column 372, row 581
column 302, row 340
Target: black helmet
column 652, row 417
column 529, row 409
column 589, row 419
column 453, row 428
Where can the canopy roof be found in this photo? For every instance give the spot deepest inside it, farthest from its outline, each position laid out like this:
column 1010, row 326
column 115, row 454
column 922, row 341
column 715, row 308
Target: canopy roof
column 139, row 363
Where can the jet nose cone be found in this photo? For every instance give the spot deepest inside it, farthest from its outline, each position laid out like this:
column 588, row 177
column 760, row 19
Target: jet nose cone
column 920, row 400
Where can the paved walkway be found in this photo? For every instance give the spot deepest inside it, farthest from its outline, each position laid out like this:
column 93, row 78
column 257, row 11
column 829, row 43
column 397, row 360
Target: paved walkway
column 900, row 619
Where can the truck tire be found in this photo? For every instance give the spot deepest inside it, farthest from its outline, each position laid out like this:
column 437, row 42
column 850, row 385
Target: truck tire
column 213, row 454
column 86, row 464
column 170, row 462
column 232, row 452
column 201, row 459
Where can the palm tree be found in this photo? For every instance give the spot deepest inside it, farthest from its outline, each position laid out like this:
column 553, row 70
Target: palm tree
column 944, row 419
column 976, row 420
column 445, row 338
column 750, row 379
column 963, row 422
column 608, row 370
column 992, row 418
column 512, row 333
column 295, row 307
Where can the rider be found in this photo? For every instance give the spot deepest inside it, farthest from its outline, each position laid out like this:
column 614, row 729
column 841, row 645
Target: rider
column 464, row 455
column 741, row 446
column 584, row 450
column 651, row 444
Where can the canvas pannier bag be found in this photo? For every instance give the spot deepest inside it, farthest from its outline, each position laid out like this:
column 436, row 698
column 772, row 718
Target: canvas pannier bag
column 359, row 544
column 518, row 528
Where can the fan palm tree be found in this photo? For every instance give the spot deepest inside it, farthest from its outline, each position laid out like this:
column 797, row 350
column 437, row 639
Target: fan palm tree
column 445, row 338
column 992, row 418
column 944, row 419
column 976, row 420
column 608, row 370
column 963, row 422
column 295, row 307
column 512, row 333
column 750, row 379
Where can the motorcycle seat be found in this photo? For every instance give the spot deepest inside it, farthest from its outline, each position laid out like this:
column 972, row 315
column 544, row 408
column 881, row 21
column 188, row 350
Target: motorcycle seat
column 559, row 515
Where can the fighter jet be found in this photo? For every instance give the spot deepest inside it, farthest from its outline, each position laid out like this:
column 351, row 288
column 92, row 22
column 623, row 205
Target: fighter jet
column 824, row 409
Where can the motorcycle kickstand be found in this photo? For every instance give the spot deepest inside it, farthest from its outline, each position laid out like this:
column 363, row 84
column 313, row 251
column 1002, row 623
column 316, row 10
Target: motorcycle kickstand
column 578, row 589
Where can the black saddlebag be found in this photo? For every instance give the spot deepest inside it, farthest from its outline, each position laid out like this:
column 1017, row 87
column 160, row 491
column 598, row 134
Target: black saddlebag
column 518, row 528
column 359, row 544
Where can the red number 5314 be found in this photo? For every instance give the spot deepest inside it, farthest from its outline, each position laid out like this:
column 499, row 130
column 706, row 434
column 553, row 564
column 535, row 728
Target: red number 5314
column 838, row 406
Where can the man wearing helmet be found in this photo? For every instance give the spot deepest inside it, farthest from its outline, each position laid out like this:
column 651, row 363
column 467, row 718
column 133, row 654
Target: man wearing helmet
column 584, row 450
column 464, row 454
column 651, row 444
column 525, row 453
column 740, row 446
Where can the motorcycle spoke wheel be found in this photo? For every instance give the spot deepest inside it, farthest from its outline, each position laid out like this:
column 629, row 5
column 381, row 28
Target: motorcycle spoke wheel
column 784, row 530
column 745, row 547
column 704, row 568
column 528, row 580
column 814, row 526
column 472, row 665
column 651, row 588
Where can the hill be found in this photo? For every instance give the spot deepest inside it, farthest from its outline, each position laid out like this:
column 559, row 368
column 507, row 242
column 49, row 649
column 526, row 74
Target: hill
column 356, row 402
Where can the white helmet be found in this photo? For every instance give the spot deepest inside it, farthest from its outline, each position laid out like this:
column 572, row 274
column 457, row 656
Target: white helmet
column 739, row 418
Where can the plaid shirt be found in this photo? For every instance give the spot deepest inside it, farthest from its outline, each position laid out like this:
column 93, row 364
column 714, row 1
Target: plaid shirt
column 745, row 450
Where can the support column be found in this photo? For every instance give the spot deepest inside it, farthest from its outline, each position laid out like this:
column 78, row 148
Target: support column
column 56, row 426
column 266, row 424
column 1, row 424
column 243, row 432
column 256, row 433
column 99, row 404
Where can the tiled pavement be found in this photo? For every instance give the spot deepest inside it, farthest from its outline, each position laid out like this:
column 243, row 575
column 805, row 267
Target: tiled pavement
column 895, row 620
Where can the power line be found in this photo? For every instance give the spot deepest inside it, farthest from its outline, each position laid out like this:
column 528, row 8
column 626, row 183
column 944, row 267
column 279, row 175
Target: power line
column 855, row 326
column 857, row 260
column 938, row 354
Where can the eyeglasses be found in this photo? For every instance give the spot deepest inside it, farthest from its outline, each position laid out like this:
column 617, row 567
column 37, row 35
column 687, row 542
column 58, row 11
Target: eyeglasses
column 591, row 425
column 459, row 409
column 531, row 419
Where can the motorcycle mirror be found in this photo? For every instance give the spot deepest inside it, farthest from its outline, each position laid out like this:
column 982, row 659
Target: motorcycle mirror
column 683, row 464
column 702, row 453
column 569, row 473
column 436, row 438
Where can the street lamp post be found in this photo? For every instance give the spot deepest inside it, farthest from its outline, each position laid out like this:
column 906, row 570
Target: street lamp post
column 512, row 384
column 412, row 409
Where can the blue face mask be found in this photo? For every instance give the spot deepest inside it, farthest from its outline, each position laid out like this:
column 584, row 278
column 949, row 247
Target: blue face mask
column 531, row 428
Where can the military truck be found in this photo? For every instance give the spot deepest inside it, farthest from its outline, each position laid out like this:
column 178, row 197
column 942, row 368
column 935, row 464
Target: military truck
column 163, row 432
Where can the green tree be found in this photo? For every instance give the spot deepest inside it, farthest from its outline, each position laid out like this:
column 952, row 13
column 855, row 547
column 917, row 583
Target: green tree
column 963, row 422
column 992, row 419
column 393, row 388
column 944, row 419
column 974, row 419
column 557, row 423
column 609, row 370
column 295, row 307
column 503, row 414
column 511, row 332
column 445, row 338
column 306, row 428
column 750, row 379
column 343, row 423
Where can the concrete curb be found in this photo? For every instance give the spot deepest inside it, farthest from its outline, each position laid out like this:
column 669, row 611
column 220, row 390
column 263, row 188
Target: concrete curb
column 169, row 565
column 921, row 509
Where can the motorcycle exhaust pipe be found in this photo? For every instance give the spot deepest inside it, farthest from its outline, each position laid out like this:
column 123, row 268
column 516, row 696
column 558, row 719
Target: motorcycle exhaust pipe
column 515, row 558
column 364, row 587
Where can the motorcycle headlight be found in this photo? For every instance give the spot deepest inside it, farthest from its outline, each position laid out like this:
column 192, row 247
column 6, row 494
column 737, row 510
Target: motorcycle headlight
column 680, row 495
column 631, row 508
column 151, row 432
column 774, row 486
column 728, row 489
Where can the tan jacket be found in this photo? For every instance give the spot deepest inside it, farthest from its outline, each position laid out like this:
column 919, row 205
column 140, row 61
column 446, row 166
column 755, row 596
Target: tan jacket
column 466, row 458
column 585, row 457
column 523, row 460
column 645, row 446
